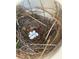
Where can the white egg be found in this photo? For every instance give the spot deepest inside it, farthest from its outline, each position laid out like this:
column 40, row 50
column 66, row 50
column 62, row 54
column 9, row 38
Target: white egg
column 33, row 34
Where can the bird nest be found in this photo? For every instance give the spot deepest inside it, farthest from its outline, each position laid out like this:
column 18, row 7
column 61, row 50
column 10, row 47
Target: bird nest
column 36, row 35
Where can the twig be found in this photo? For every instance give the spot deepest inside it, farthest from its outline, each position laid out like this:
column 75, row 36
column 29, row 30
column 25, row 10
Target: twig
column 28, row 48
column 50, row 30
column 43, row 44
column 43, row 8
column 30, row 6
column 44, row 49
column 29, row 57
column 58, row 21
column 17, row 42
column 36, row 19
column 56, row 34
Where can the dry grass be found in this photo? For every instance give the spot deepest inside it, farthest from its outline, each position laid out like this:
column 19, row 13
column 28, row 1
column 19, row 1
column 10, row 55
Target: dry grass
column 49, row 32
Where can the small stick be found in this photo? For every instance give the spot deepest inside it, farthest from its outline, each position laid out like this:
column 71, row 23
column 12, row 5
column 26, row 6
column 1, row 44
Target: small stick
column 52, row 16
column 17, row 42
column 30, row 6
column 29, row 57
column 42, row 8
column 44, row 44
column 50, row 30
column 28, row 48
column 44, row 49
column 56, row 35
column 36, row 19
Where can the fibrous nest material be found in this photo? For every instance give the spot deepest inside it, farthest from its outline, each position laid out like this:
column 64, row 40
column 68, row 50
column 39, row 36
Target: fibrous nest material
column 48, row 29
